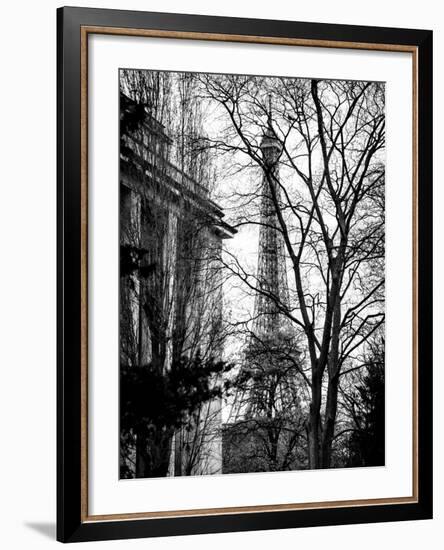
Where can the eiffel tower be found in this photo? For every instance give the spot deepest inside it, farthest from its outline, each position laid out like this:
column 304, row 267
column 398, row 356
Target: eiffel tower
column 271, row 334
column 271, row 278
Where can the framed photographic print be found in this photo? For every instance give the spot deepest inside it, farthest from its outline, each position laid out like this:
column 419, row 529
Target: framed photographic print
column 244, row 274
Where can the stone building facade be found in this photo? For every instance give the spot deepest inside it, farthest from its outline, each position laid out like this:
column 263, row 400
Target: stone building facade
column 171, row 305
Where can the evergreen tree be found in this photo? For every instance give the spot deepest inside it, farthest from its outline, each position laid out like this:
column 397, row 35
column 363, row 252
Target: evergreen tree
column 367, row 441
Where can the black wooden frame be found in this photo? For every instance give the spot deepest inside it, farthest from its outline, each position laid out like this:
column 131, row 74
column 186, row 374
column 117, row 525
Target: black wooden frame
column 70, row 527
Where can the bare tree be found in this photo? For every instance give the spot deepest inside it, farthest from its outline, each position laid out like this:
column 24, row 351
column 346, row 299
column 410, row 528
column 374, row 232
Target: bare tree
column 331, row 218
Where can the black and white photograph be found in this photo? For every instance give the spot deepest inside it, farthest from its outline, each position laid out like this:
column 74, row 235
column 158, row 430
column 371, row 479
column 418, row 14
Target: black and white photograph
column 252, row 271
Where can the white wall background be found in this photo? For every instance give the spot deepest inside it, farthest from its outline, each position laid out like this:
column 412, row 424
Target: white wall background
column 27, row 275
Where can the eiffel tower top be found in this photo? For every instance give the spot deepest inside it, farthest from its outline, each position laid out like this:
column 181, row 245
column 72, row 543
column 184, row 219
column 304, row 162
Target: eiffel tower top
column 270, row 145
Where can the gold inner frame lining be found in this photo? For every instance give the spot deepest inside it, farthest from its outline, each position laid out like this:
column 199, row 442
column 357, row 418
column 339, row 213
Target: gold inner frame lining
column 413, row 50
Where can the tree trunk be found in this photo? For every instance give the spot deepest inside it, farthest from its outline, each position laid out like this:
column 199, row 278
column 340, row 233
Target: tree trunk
column 178, row 449
column 314, row 424
column 331, row 405
column 329, row 422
